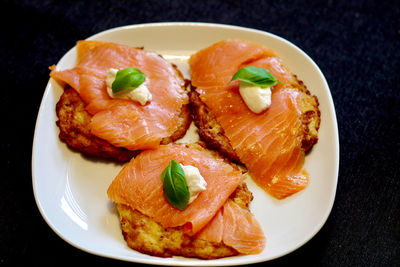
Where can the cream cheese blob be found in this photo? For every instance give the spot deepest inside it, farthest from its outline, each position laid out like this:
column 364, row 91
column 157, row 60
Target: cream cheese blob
column 256, row 98
column 140, row 94
column 194, row 181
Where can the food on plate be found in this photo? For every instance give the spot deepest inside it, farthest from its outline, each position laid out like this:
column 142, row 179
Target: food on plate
column 272, row 144
column 117, row 126
column 218, row 223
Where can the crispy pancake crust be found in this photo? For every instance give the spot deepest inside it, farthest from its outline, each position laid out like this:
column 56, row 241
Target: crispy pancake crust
column 208, row 128
column 212, row 133
column 74, row 123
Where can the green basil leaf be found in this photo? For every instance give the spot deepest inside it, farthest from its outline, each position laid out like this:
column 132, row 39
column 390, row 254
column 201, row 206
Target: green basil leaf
column 129, row 78
column 174, row 185
column 256, row 76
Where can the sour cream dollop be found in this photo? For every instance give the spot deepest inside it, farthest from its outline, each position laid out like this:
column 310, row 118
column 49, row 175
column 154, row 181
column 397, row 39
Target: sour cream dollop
column 256, row 98
column 140, row 94
column 194, row 181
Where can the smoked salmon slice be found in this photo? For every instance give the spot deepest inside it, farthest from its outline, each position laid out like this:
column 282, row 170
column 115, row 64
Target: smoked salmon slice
column 121, row 122
column 237, row 231
column 139, row 186
column 211, row 216
column 237, row 228
column 269, row 143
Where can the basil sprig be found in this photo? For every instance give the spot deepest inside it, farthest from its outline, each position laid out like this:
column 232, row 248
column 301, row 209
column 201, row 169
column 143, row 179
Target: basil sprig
column 256, row 76
column 174, row 185
column 129, row 78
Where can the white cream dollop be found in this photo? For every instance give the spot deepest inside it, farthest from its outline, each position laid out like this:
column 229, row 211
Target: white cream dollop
column 256, row 98
column 194, row 181
column 140, row 94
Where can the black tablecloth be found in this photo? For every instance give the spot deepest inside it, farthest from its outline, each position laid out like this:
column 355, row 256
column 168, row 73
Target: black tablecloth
column 356, row 45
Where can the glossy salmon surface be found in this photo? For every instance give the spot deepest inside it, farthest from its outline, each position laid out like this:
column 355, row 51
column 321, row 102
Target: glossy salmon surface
column 269, row 143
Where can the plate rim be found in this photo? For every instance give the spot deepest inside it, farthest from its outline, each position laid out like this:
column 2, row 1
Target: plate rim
column 220, row 262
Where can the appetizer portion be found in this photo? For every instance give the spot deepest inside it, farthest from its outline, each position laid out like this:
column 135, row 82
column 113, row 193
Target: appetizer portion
column 128, row 99
column 268, row 131
column 157, row 218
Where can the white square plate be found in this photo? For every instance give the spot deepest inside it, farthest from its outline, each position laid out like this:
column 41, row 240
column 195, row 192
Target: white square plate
column 70, row 190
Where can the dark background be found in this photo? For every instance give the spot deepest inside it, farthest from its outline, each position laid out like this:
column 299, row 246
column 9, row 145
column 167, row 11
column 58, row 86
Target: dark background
column 356, row 45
